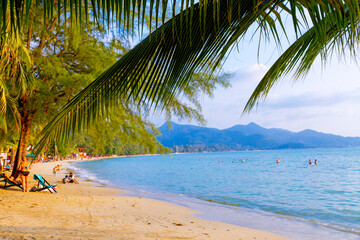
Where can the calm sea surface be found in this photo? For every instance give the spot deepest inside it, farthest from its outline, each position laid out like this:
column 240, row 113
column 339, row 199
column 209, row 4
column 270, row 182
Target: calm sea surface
column 323, row 198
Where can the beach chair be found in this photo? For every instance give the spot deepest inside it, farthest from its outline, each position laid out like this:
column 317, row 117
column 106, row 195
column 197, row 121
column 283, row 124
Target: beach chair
column 8, row 183
column 44, row 184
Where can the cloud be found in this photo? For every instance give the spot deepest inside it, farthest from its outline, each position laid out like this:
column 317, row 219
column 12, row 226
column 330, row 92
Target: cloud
column 250, row 73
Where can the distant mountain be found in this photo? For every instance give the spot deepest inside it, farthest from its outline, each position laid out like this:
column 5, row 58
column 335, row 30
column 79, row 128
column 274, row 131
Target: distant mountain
column 184, row 138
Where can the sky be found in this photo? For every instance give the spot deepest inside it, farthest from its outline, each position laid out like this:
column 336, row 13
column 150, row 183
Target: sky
column 326, row 100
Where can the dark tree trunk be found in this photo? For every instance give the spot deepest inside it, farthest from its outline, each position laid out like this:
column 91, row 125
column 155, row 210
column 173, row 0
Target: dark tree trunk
column 26, row 121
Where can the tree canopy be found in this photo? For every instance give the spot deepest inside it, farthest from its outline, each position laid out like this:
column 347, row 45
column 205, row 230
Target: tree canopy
column 197, row 38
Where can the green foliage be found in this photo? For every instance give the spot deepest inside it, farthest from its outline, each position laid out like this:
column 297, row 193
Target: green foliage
column 121, row 133
column 152, row 74
column 206, row 148
column 64, row 62
column 159, row 70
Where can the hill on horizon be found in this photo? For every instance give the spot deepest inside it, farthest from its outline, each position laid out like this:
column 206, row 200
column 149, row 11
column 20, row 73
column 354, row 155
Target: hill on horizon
column 191, row 138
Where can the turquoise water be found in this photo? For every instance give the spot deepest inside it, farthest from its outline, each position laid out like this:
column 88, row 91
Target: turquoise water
column 327, row 195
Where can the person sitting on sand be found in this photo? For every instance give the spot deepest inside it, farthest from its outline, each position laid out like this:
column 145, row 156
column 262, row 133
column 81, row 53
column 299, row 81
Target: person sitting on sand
column 72, row 178
column 24, row 170
column 66, row 179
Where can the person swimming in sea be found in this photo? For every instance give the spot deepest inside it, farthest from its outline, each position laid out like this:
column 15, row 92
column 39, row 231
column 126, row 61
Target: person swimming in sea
column 315, row 162
column 310, row 162
column 278, row 160
column 242, row 160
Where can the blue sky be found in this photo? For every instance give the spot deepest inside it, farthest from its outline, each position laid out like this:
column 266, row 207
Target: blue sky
column 326, row 100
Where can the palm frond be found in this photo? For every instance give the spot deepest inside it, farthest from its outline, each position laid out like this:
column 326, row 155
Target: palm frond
column 15, row 62
column 127, row 14
column 158, row 68
column 300, row 56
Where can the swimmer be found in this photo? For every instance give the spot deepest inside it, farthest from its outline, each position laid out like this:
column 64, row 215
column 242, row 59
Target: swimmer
column 278, row 160
column 243, row 160
column 310, row 162
column 315, row 162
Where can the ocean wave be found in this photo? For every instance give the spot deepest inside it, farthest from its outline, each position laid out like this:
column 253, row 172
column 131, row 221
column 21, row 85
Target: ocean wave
column 86, row 175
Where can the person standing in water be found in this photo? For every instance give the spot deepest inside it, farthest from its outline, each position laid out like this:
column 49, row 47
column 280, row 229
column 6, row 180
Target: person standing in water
column 310, row 162
column 24, row 170
column 315, row 162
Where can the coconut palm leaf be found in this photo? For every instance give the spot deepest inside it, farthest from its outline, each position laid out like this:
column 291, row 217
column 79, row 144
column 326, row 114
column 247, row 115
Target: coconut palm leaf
column 124, row 13
column 127, row 13
column 156, row 71
column 15, row 63
column 300, row 56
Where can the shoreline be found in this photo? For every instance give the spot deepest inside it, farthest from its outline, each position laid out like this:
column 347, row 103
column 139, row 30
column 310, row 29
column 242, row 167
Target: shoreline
column 83, row 211
column 284, row 225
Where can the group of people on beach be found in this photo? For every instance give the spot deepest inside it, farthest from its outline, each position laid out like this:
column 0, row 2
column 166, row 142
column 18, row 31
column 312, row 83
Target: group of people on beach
column 24, row 171
column 70, row 179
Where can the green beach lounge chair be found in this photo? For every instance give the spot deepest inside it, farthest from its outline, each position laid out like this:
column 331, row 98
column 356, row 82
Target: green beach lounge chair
column 44, row 184
column 8, row 183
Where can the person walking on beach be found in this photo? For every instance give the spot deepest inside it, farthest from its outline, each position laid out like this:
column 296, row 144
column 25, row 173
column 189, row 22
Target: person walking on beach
column 24, row 171
column 55, row 170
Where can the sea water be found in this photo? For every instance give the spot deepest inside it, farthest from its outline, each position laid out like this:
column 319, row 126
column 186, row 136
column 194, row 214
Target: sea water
column 292, row 198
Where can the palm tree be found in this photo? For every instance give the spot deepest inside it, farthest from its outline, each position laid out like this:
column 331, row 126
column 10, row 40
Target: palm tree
column 196, row 38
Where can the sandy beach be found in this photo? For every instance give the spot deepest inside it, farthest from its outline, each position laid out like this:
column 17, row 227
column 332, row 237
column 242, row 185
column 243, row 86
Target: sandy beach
column 84, row 211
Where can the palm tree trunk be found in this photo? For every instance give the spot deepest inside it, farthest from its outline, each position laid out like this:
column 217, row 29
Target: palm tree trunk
column 26, row 121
